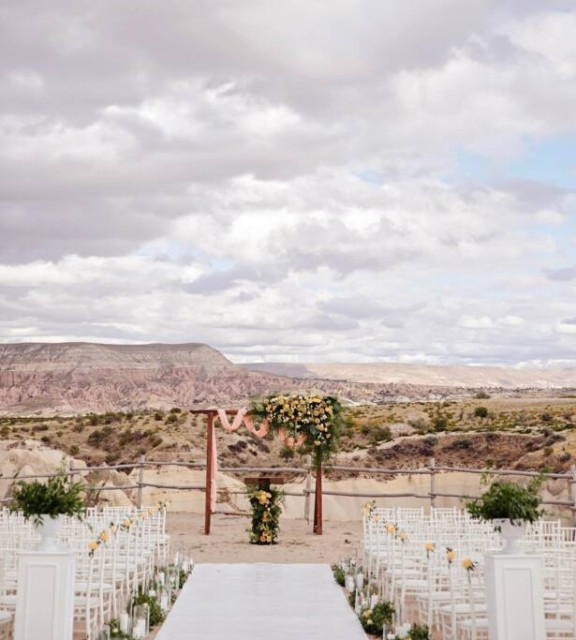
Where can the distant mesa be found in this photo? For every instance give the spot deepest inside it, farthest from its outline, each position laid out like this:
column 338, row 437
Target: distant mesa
column 80, row 377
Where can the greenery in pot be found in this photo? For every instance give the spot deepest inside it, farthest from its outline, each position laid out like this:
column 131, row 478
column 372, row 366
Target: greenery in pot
column 509, row 501
column 57, row 496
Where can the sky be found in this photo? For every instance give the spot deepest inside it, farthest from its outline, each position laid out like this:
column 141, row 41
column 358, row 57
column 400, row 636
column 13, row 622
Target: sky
column 312, row 180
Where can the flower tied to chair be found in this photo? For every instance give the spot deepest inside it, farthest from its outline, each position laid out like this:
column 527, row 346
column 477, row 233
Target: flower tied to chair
column 469, row 565
column 430, row 547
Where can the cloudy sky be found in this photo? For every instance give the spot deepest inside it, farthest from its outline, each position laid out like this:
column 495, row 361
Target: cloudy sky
column 302, row 180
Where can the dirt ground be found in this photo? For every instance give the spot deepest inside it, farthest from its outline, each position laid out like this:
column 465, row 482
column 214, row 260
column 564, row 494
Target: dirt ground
column 228, row 540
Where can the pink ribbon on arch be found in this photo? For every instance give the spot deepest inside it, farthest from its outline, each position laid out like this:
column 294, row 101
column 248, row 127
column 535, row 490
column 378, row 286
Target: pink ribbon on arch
column 242, row 417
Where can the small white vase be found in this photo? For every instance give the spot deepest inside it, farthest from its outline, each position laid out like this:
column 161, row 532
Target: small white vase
column 511, row 535
column 49, row 530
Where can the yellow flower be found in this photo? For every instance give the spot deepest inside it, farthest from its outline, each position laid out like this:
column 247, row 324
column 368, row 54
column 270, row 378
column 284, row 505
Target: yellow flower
column 468, row 564
column 104, row 536
column 92, row 545
column 369, row 507
column 450, row 555
column 127, row 522
column 430, row 546
column 403, row 536
column 390, row 528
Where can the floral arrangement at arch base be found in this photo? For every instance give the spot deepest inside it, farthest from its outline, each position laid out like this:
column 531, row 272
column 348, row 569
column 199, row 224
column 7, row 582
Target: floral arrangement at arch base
column 310, row 422
column 266, row 510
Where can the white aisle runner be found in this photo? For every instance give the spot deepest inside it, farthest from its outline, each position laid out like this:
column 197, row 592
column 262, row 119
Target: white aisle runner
column 261, row 601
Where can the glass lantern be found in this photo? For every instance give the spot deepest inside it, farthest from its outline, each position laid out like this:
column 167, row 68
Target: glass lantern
column 140, row 621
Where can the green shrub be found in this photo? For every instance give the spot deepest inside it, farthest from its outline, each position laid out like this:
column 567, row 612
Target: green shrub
column 480, row 412
column 156, row 615
column 57, row 496
column 374, row 619
column 508, row 500
column 419, row 632
column 380, row 434
column 339, row 574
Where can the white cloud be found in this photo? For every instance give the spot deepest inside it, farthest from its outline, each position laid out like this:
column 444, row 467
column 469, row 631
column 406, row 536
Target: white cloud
column 288, row 180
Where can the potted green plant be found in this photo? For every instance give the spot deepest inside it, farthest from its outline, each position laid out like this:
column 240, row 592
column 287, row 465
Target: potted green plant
column 44, row 502
column 510, row 507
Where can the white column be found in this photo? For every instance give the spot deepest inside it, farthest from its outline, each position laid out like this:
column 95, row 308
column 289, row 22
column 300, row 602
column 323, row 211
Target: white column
column 515, row 598
column 45, row 602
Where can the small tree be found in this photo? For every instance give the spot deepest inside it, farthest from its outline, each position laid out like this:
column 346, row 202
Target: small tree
column 481, row 412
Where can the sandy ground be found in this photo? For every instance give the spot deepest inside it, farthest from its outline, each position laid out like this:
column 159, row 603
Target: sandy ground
column 228, row 540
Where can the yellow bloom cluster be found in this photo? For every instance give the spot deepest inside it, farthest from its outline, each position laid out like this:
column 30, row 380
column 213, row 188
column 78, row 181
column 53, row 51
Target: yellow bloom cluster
column 450, row 555
column 368, row 508
column 263, row 497
column 300, row 414
column 468, row 564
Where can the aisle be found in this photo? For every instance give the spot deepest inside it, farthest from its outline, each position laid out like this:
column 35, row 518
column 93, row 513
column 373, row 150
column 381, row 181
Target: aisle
column 261, row 601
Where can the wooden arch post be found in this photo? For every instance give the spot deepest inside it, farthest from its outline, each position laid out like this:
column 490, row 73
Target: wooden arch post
column 318, row 502
column 210, row 466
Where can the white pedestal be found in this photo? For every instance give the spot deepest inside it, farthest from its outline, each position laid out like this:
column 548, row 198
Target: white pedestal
column 45, row 603
column 514, row 594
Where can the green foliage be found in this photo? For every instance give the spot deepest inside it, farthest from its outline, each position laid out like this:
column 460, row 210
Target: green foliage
column 419, row 632
column 316, row 420
column 380, row 434
column 266, row 510
column 482, row 395
column 508, row 500
column 339, row 575
column 439, row 422
column 480, row 412
column 287, row 453
column 374, row 619
column 114, row 626
column 156, row 615
column 57, row 496
column 352, row 598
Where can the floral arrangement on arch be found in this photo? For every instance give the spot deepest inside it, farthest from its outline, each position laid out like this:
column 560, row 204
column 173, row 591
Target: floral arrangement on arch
column 312, row 422
column 266, row 510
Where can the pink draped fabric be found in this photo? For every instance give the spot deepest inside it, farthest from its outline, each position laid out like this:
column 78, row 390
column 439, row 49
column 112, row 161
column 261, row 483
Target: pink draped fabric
column 240, row 418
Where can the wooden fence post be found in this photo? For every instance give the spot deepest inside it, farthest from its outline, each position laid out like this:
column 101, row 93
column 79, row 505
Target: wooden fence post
column 573, row 492
column 318, row 502
column 432, row 468
column 308, row 487
column 209, row 473
column 140, row 481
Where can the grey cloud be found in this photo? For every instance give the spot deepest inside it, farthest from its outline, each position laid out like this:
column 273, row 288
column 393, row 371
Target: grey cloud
column 565, row 274
column 122, row 124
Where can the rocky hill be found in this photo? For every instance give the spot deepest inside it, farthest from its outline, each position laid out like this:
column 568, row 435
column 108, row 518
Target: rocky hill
column 69, row 378
column 85, row 377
